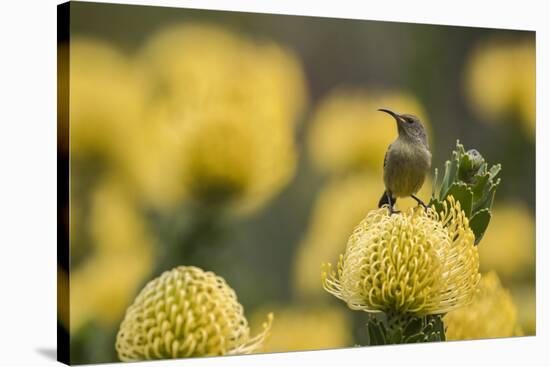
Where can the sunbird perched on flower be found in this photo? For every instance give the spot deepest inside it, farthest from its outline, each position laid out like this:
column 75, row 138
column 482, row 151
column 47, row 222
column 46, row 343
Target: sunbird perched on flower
column 407, row 160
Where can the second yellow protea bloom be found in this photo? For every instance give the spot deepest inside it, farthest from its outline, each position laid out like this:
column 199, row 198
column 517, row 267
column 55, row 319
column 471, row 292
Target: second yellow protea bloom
column 418, row 262
column 491, row 315
column 186, row 312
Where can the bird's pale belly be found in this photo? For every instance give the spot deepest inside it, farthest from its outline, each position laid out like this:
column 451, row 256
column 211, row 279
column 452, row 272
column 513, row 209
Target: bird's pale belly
column 405, row 171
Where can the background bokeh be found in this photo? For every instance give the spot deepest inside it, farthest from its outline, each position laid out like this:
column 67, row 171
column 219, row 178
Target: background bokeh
column 249, row 145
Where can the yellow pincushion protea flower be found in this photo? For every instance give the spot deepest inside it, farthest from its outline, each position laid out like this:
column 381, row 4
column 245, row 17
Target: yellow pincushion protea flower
column 186, row 312
column 491, row 315
column 418, row 262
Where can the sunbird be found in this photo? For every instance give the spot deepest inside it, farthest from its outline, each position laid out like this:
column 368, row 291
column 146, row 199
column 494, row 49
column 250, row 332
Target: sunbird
column 406, row 162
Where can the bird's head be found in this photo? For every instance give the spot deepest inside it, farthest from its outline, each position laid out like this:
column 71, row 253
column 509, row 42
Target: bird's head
column 408, row 126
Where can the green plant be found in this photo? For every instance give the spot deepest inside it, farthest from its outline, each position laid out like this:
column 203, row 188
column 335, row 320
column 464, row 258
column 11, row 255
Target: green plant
column 471, row 181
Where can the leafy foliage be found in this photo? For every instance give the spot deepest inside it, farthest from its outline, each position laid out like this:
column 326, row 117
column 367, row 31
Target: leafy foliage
column 386, row 329
column 471, row 181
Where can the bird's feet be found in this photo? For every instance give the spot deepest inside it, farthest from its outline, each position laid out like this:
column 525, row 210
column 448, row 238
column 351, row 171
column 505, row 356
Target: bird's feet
column 389, row 201
column 420, row 202
column 394, row 211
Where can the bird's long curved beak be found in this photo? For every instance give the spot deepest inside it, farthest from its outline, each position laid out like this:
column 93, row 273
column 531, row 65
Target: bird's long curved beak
column 394, row 114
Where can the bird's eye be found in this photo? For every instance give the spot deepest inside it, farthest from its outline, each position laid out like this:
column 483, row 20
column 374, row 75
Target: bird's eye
column 409, row 120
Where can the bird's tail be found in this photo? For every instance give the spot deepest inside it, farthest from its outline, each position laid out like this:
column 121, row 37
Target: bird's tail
column 384, row 200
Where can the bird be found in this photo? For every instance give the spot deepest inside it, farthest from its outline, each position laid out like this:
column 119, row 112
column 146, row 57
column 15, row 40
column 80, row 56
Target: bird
column 406, row 162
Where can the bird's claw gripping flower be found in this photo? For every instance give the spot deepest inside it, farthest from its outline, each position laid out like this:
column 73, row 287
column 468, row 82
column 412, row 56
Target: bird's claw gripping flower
column 418, row 262
column 186, row 312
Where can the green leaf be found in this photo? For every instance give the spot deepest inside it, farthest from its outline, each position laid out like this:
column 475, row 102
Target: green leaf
column 439, row 326
column 435, row 329
column 479, row 186
column 446, row 181
column 434, row 185
column 495, row 170
column 465, row 168
column 397, row 336
column 416, row 338
column 486, row 202
column 413, row 326
column 479, row 223
column 376, row 332
column 461, row 192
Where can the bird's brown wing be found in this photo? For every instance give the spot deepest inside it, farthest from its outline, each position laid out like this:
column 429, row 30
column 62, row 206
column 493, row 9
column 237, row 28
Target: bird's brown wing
column 386, row 155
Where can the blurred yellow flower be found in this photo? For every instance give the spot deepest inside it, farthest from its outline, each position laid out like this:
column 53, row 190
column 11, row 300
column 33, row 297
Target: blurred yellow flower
column 120, row 257
column 229, row 157
column 340, row 205
column 492, row 314
column 508, row 246
column 166, row 116
column 347, row 132
column 306, row 328
column 151, row 165
column 230, row 105
column 500, row 79
column 418, row 262
column 106, row 100
column 193, row 65
column 109, row 123
column 524, row 295
column 186, row 312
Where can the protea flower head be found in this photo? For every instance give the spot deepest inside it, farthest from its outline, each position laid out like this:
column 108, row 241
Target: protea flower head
column 418, row 262
column 492, row 314
column 186, row 312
